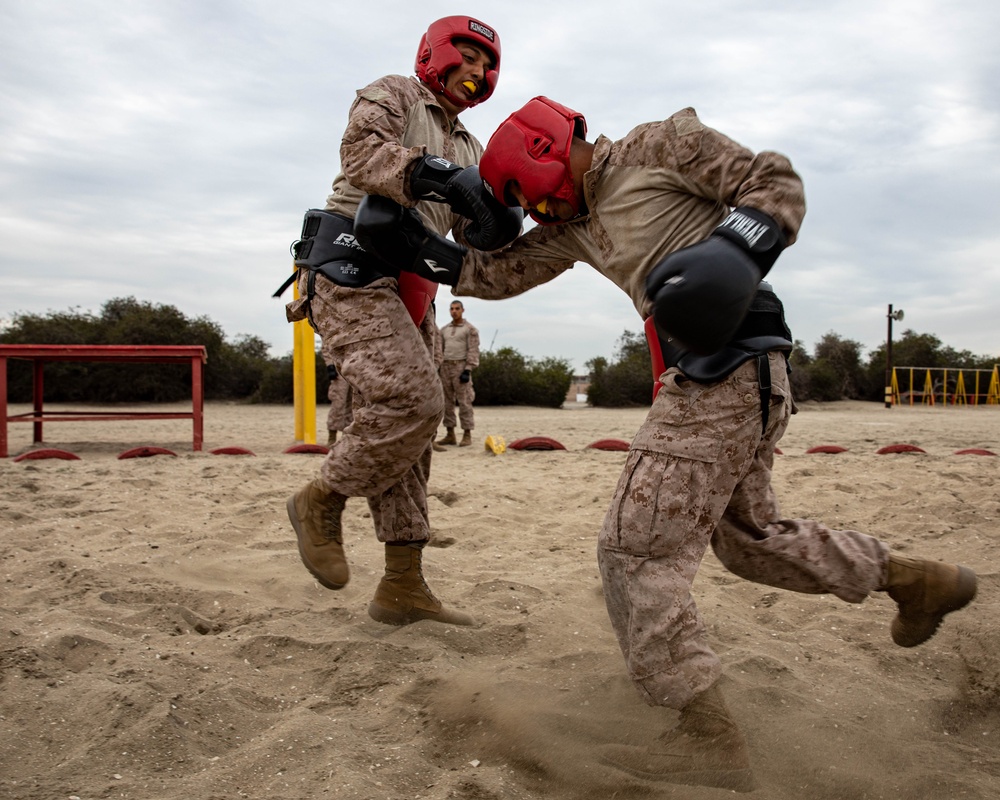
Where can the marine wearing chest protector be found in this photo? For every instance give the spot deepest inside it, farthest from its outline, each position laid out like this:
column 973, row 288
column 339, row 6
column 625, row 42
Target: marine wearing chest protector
column 403, row 140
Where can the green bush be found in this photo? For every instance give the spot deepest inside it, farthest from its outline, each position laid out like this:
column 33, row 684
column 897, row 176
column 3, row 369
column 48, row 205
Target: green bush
column 627, row 381
column 507, row 378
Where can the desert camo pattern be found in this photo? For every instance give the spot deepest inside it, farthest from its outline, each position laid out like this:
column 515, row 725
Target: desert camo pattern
column 393, row 123
column 664, row 186
column 699, row 472
column 341, row 398
column 460, row 351
column 391, row 364
column 457, row 393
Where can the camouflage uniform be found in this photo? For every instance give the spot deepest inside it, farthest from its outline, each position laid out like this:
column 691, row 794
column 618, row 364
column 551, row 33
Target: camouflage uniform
column 341, row 398
column 389, row 362
column 460, row 352
column 699, row 468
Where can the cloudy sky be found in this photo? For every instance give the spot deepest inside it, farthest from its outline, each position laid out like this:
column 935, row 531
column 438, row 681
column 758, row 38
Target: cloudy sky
column 167, row 149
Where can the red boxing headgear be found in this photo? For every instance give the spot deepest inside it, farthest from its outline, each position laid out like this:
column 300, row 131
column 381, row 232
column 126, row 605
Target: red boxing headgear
column 532, row 147
column 437, row 54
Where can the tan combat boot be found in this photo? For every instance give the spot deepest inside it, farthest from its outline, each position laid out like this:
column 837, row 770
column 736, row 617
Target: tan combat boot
column 705, row 749
column 403, row 596
column 925, row 591
column 448, row 438
column 466, row 439
column 437, row 448
column 315, row 514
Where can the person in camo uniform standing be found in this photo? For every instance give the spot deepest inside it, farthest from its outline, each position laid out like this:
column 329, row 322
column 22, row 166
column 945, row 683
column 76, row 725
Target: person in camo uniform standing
column 460, row 345
column 687, row 222
column 405, row 141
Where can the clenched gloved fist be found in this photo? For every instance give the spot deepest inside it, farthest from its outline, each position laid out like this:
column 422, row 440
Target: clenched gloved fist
column 493, row 225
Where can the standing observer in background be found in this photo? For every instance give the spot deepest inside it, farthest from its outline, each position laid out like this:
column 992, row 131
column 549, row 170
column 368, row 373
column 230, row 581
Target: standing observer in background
column 403, row 140
column 688, row 222
column 460, row 344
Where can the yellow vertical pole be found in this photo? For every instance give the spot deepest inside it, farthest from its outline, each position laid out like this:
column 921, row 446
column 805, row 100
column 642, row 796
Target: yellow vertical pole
column 304, row 378
column 959, row 397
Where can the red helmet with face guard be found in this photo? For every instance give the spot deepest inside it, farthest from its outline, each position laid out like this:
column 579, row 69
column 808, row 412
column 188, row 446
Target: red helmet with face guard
column 437, row 55
column 532, row 147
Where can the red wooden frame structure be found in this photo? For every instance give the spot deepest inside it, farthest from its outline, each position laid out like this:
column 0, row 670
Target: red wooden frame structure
column 39, row 354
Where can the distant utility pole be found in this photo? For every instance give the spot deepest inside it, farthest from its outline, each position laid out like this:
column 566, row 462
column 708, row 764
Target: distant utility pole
column 890, row 316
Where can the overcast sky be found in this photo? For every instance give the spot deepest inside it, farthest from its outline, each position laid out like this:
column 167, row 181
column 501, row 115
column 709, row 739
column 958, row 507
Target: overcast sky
column 167, row 150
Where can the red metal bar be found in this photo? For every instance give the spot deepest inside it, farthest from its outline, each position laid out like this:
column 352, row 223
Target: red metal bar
column 148, row 353
column 37, row 396
column 197, row 402
column 3, row 407
column 84, row 416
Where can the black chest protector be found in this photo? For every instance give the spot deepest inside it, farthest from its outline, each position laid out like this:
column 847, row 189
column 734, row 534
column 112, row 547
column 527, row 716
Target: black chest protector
column 762, row 331
column 328, row 246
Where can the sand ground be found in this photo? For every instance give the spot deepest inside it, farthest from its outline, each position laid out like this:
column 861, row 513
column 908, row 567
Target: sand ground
column 159, row 637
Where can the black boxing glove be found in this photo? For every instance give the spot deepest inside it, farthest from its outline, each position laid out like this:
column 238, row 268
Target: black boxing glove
column 465, row 376
column 398, row 236
column 701, row 293
column 494, row 225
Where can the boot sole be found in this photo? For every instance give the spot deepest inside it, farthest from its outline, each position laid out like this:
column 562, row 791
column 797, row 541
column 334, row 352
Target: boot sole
column 389, row 617
column 293, row 517
column 965, row 593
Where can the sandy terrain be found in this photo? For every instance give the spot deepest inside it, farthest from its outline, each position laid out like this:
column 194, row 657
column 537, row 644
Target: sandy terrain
column 160, row 639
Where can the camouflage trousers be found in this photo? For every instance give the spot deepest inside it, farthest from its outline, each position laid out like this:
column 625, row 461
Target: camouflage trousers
column 457, row 392
column 385, row 453
column 341, row 397
column 699, row 472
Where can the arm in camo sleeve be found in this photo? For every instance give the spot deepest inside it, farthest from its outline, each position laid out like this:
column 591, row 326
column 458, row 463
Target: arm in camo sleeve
column 719, row 168
column 372, row 154
column 533, row 259
column 472, row 345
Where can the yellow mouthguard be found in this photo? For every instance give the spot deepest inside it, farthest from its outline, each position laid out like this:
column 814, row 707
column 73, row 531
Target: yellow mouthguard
column 470, row 85
column 542, row 207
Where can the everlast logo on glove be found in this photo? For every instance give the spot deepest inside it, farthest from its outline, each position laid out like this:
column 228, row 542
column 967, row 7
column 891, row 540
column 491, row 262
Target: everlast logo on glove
column 444, row 162
column 750, row 229
column 755, row 232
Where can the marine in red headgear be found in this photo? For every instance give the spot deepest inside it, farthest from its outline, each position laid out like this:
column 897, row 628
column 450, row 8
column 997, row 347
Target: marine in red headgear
column 529, row 160
column 403, row 140
column 441, row 51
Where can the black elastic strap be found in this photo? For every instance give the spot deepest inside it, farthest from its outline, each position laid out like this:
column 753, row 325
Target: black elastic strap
column 764, row 377
column 290, row 280
column 310, row 294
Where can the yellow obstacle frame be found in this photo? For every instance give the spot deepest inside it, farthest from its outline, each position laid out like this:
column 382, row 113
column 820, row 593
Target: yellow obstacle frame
column 959, row 395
